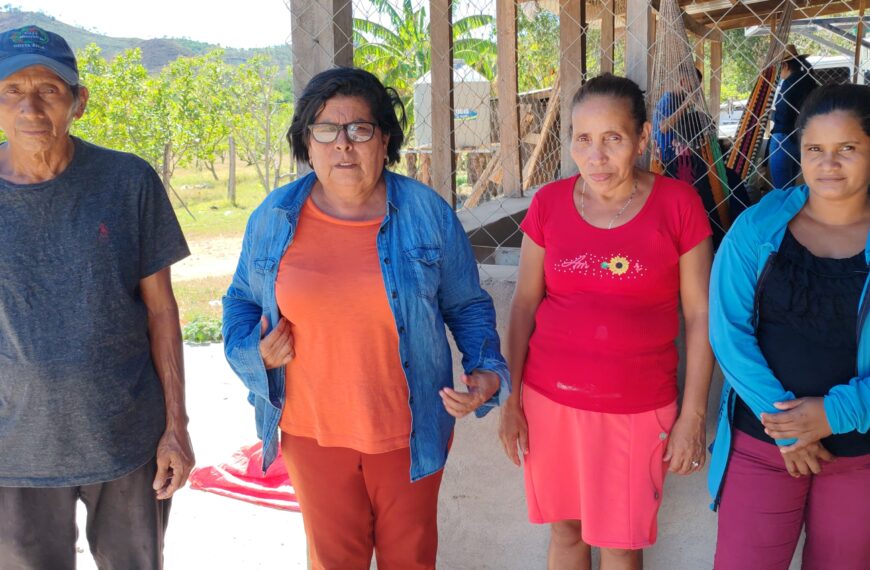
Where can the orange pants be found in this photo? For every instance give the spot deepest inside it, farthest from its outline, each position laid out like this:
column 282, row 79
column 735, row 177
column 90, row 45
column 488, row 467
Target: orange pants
column 354, row 503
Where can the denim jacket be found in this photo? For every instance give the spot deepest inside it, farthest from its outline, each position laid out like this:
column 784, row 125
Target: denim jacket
column 739, row 270
column 431, row 279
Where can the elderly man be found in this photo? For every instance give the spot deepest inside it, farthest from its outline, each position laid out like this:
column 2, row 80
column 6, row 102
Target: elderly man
column 91, row 373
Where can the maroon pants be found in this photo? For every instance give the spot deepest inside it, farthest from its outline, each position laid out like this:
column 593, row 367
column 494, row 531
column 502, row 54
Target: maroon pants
column 763, row 510
column 354, row 503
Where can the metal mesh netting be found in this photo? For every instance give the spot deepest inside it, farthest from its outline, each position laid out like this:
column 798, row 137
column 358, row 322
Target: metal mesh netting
column 508, row 134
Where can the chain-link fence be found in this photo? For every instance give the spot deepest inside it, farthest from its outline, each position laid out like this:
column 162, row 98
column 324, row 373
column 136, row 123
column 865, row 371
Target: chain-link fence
column 516, row 64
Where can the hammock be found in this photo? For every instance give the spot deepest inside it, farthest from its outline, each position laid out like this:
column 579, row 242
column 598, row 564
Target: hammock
column 753, row 122
column 685, row 142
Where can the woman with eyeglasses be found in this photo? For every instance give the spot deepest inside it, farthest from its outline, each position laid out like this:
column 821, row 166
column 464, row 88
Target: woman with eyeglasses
column 335, row 321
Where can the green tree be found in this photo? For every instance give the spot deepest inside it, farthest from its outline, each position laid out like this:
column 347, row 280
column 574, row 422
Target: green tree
column 537, row 50
column 261, row 116
column 123, row 111
column 399, row 52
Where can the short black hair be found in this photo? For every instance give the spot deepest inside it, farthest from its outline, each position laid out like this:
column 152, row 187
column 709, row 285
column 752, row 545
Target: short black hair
column 849, row 98
column 351, row 82
column 609, row 85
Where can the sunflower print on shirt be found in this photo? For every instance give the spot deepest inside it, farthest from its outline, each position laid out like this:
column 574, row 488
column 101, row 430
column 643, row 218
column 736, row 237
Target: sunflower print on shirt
column 616, row 266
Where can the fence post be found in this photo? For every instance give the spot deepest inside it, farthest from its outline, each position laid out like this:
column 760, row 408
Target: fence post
column 322, row 38
column 443, row 158
column 508, row 99
column 572, row 58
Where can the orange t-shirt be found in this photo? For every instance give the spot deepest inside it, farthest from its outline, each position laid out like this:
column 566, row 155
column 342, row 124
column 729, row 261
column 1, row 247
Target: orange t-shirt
column 346, row 386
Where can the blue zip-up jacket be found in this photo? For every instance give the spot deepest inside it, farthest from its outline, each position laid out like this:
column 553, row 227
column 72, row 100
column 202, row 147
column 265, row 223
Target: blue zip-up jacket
column 431, row 279
column 741, row 265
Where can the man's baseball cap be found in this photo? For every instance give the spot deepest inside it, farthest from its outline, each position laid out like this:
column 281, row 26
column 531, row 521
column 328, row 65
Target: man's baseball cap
column 31, row 45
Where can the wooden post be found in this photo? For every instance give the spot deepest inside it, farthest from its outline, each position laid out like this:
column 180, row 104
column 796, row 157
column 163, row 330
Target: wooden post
column 699, row 53
column 411, row 164
column 506, row 87
column 860, row 35
column 608, row 20
column 231, row 181
column 443, row 159
column 715, row 96
column 638, row 41
column 322, row 38
column 572, row 56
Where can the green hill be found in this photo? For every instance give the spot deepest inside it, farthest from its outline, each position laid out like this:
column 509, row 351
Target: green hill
column 155, row 53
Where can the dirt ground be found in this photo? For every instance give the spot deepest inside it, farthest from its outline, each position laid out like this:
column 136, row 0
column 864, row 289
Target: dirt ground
column 210, row 257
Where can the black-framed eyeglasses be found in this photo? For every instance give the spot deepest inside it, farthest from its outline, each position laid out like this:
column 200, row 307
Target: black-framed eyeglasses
column 357, row 131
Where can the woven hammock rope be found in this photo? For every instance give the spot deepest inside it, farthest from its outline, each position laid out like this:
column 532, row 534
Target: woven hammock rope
column 686, row 144
column 753, row 122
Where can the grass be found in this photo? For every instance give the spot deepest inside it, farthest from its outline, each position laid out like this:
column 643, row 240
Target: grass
column 199, row 299
column 206, row 198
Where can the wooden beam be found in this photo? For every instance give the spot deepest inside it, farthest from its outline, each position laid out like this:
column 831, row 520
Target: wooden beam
column 322, row 38
column 699, row 52
column 858, row 45
column 638, row 41
column 715, row 96
column 608, row 20
column 745, row 15
column 443, row 158
column 506, row 86
column 550, row 117
column 572, row 54
column 691, row 24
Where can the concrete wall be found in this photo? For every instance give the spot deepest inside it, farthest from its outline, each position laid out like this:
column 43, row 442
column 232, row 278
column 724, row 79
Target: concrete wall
column 483, row 522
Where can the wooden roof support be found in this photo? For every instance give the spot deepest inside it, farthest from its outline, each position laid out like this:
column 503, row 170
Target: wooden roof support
column 322, row 37
column 608, row 22
column 443, row 158
column 692, row 25
column 715, row 95
column 859, row 41
column 638, row 41
column 508, row 99
column 572, row 68
column 744, row 15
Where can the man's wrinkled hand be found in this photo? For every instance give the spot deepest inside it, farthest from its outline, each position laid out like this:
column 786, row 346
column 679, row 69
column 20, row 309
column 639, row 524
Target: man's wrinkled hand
column 174, row 462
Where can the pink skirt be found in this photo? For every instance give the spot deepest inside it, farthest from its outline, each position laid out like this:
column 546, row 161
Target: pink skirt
column 605, row 470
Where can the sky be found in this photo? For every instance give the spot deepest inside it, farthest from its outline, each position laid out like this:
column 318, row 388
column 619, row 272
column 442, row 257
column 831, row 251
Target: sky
column 238, row 24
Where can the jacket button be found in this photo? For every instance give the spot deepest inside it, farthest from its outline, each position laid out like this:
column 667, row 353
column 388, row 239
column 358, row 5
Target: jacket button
column 406, row 364
column 395, row 294
column 401, row 330
column 411, row 400
column 387, row 260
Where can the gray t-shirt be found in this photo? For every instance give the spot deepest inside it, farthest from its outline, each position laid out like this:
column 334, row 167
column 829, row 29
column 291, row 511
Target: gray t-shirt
column 80, row 401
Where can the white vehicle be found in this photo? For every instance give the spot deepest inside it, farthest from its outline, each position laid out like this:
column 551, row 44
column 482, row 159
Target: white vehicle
column 838, row 69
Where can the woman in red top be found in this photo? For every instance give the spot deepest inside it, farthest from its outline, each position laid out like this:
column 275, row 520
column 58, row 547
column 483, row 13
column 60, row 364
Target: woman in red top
column 606, row 258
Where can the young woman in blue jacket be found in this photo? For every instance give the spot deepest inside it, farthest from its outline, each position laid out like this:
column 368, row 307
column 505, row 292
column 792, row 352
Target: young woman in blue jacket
column 789, row 327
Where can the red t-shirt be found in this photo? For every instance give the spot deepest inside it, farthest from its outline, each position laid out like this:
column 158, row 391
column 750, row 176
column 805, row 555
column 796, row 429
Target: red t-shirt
column 605, row 330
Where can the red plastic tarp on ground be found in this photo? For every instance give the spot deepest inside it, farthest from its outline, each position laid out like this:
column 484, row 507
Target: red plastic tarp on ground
column 242, row 478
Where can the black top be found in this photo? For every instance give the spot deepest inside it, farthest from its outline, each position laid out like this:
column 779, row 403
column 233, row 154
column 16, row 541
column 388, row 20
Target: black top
column 807, row 332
